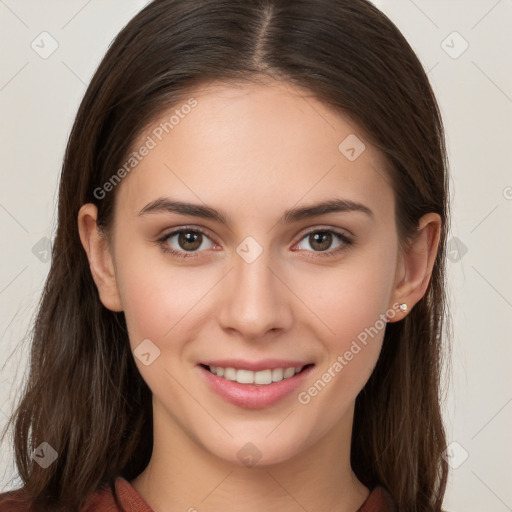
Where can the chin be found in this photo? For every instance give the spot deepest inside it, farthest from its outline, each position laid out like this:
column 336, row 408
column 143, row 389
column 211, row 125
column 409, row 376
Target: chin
column 258, row 451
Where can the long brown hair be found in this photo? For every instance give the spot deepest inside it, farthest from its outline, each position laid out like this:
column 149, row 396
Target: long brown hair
column 84, row 395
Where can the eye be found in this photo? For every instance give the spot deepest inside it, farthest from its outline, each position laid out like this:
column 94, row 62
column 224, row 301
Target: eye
column 321, row 241
column 185, row 240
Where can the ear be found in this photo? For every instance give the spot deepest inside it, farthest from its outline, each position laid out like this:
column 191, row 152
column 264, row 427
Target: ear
column 100, row 258
column 415, row 264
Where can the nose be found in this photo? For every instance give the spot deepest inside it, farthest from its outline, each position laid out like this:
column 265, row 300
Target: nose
column 255, row 301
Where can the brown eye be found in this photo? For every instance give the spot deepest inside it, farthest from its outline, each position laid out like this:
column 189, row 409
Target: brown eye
column 321, row 241
column 190, row 240
column 183, row 241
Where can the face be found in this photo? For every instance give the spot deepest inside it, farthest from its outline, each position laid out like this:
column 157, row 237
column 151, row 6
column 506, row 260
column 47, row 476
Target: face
column 255, row 290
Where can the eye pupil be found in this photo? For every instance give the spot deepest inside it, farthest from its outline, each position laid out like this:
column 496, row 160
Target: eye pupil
column 188, row 237
column 324, row 239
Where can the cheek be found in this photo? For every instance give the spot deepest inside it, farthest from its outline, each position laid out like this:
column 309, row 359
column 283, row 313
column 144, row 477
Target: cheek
column 159, row 307
column 142, row 287
column 350, row 305
column 357, row 321
column 347, row 300
column 160, row 301
column 357, row 325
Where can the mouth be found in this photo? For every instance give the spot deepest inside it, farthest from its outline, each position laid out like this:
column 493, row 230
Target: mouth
column 261, row 377
column 257, row 388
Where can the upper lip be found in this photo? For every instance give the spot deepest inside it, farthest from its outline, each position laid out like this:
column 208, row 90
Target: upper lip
column 255, row 366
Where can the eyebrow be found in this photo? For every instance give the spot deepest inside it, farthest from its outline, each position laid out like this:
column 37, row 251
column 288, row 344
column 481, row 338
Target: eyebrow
column 167, row 205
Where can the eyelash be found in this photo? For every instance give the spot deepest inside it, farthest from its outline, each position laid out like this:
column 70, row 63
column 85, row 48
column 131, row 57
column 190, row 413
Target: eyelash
column 346, row 242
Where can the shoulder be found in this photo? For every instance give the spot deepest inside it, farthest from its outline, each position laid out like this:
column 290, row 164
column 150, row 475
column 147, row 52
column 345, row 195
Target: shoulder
column 17, row 501
column 14, row 501
column 379, row 500
column 124, row 499
column 102, row 500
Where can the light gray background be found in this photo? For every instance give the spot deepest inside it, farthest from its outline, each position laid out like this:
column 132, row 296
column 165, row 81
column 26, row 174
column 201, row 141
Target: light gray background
column 38, row 101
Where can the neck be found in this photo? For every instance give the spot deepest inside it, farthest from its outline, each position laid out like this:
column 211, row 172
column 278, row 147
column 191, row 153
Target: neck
column 182, row 475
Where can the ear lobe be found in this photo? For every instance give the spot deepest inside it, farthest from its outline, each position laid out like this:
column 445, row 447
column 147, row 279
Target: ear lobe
column 416, row 263
column 100, row 257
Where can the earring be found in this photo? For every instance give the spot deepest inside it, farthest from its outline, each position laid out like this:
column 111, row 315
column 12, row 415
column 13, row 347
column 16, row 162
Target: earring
column 403, row 307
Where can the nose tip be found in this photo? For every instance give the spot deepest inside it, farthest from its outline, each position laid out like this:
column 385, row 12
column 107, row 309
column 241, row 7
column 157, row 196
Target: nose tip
column 254, row 301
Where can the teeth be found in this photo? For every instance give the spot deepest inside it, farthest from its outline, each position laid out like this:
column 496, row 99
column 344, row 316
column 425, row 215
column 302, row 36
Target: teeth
column 289, row 372
column 263, row 377
column 245, row 377
column 229, row 373
column 277, row 374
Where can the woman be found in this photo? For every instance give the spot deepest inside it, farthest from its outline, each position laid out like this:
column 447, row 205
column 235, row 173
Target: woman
column 246, row 300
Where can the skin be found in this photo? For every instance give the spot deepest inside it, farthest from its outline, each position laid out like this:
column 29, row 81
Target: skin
column 254, row 151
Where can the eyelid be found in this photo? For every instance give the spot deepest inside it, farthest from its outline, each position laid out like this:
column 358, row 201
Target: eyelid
column 178, row 229
column 325, row 227
column 300, row 236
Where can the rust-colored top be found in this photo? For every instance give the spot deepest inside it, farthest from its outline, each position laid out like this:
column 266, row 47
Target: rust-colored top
column 127, row 499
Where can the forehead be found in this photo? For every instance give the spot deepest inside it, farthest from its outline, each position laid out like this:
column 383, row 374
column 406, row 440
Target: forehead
column 270, row 145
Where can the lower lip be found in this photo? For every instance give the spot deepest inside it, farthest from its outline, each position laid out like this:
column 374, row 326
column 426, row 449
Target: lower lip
column 254, row 396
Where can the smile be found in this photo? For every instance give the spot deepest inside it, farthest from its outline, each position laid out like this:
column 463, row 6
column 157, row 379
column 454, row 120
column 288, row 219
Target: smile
column 265, row 385
column 263, row 377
